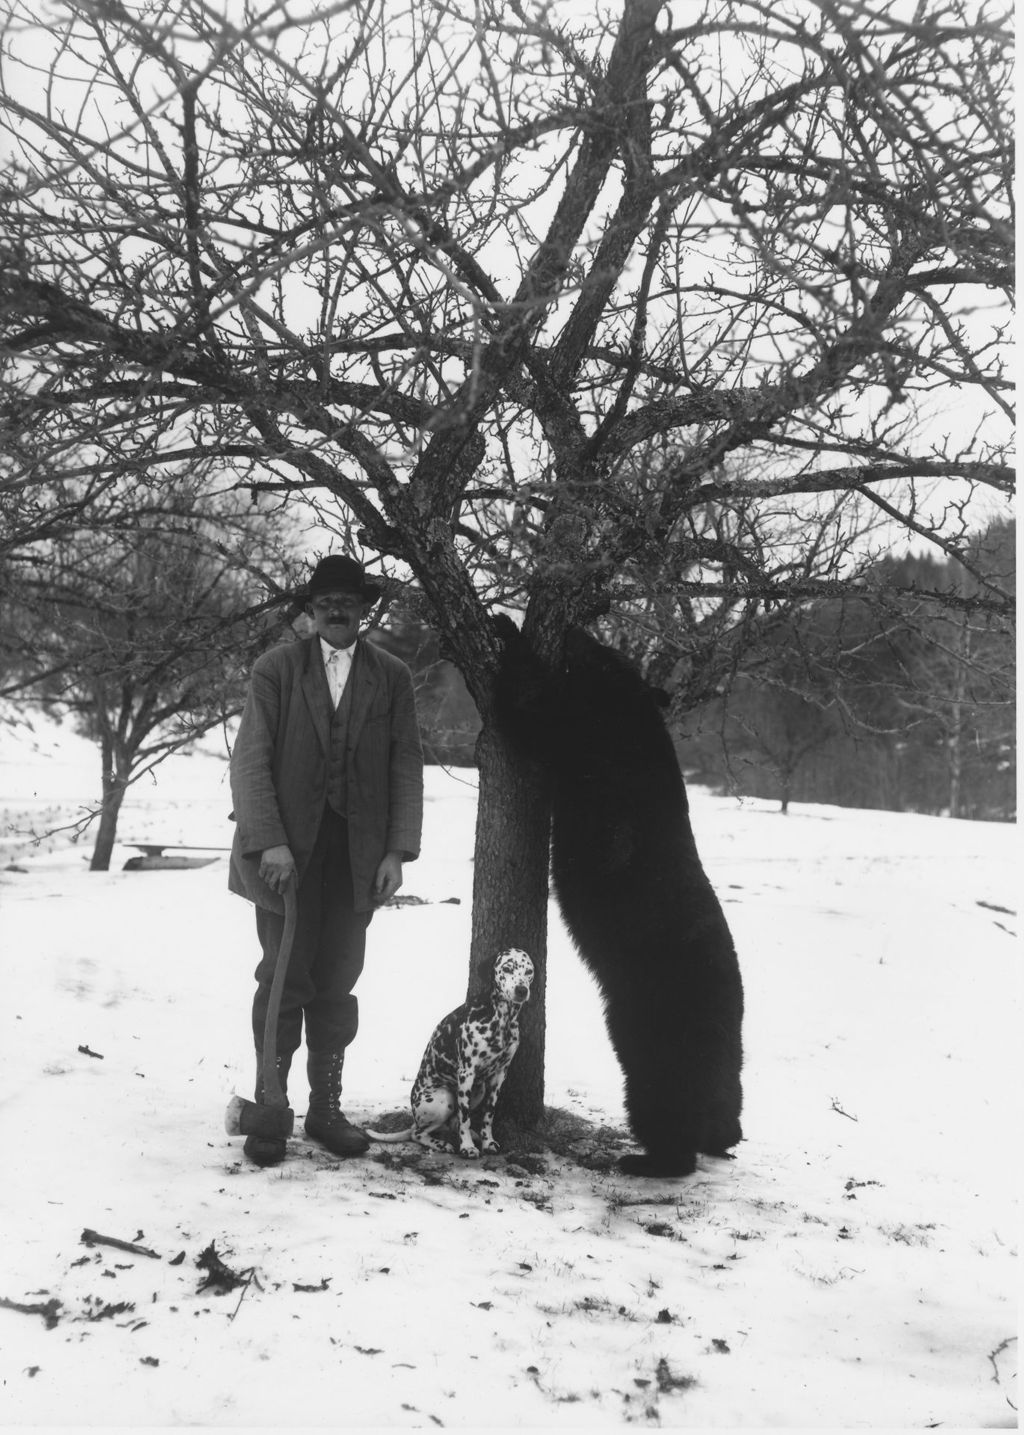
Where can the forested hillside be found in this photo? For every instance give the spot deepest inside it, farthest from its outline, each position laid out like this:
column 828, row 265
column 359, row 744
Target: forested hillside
column 874, row 701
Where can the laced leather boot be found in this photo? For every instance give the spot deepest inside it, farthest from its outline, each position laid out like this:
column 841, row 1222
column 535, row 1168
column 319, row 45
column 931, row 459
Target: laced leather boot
column 268, row 1150
column 325, row 1120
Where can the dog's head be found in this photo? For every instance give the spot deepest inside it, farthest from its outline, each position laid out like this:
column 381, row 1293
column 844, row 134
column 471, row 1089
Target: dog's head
column 513, row 973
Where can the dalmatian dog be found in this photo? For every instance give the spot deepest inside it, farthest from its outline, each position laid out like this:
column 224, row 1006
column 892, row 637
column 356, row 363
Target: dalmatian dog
column 465, row 1063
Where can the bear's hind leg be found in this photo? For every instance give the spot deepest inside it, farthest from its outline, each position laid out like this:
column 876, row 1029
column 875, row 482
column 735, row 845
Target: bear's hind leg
column 682, row 1085
column 720, row 1139
column 721, row 1100
column 661, row 1117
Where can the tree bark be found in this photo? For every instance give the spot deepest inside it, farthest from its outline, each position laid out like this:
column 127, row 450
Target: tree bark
column 115, row 784
column 510, row 903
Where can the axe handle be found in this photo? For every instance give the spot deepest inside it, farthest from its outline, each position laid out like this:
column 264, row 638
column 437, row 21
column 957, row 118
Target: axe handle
column 273, row 1095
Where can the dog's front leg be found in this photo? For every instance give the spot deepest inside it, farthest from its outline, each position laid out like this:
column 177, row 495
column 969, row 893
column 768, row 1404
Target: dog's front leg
column 490, row 1101
column 464, row 1091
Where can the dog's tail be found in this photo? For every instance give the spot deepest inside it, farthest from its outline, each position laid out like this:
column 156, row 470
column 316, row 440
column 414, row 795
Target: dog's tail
column 389, row 1136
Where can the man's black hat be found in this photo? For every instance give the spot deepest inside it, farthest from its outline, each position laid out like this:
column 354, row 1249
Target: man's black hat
column 340, row 574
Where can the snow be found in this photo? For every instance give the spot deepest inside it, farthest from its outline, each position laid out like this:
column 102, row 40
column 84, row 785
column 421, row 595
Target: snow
column 853, row 1267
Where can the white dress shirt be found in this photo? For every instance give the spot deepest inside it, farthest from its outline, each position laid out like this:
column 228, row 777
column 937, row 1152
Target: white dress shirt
column 337, row 665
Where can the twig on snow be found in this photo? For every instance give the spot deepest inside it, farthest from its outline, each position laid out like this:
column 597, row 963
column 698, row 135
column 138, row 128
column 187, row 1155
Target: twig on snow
column 93, row 1238
column 839, row 1110
column 993, row 1355
column 251, row 1280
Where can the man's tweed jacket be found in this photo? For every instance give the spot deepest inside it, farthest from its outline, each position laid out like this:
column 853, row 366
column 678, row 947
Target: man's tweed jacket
column 279, row 765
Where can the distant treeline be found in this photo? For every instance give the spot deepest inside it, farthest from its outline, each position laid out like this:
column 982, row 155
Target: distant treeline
column 874, row 701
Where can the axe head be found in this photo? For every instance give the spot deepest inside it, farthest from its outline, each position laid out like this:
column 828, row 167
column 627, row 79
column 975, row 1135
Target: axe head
column 250, row 1118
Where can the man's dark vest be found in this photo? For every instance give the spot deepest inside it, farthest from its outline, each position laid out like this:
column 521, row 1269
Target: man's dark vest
column 337, row 777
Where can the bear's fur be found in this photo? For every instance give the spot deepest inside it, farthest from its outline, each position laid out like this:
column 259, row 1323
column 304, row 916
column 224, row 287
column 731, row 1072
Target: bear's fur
column 634, row 895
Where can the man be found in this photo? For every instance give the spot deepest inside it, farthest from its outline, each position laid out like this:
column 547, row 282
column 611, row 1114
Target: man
column 327, row 783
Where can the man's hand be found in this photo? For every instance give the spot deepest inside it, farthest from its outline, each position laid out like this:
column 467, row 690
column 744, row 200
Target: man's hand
column 388, row 879
column 277, row 868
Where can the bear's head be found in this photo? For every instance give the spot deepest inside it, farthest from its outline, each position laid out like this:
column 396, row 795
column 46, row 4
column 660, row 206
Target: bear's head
column 608, row 708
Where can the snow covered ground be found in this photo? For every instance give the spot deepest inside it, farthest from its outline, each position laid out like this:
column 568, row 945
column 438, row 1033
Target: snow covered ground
column 853, row 1267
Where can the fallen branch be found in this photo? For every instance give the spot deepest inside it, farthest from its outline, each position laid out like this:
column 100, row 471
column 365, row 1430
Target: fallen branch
column 93, row 1238
column 49, row 1310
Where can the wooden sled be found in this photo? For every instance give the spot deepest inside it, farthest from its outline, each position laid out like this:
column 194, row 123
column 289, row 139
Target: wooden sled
column 153, row 857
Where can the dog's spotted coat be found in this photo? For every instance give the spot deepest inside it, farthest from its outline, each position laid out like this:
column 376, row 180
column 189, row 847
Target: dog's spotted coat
column 466, row 1061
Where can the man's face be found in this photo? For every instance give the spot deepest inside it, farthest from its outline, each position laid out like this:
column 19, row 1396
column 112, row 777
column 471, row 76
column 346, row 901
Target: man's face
column 337, row 617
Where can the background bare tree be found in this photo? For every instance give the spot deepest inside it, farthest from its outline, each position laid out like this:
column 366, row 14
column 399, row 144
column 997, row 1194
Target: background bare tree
column 460, row 272
column 142, row 633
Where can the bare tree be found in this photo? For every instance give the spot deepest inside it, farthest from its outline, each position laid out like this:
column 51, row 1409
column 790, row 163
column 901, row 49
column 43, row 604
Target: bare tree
column 142, row 633
column 961, row 689
column 454, row 270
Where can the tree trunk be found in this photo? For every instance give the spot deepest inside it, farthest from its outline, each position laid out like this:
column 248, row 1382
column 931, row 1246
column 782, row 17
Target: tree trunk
column 115, row 784
column 954, row 741
column 510, row 903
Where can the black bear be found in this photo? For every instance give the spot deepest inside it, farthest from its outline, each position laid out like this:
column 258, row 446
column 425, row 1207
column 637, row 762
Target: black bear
column 634, row 895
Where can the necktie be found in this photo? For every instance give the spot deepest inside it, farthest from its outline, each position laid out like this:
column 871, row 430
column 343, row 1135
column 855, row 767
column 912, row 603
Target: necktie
column 336, row 677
